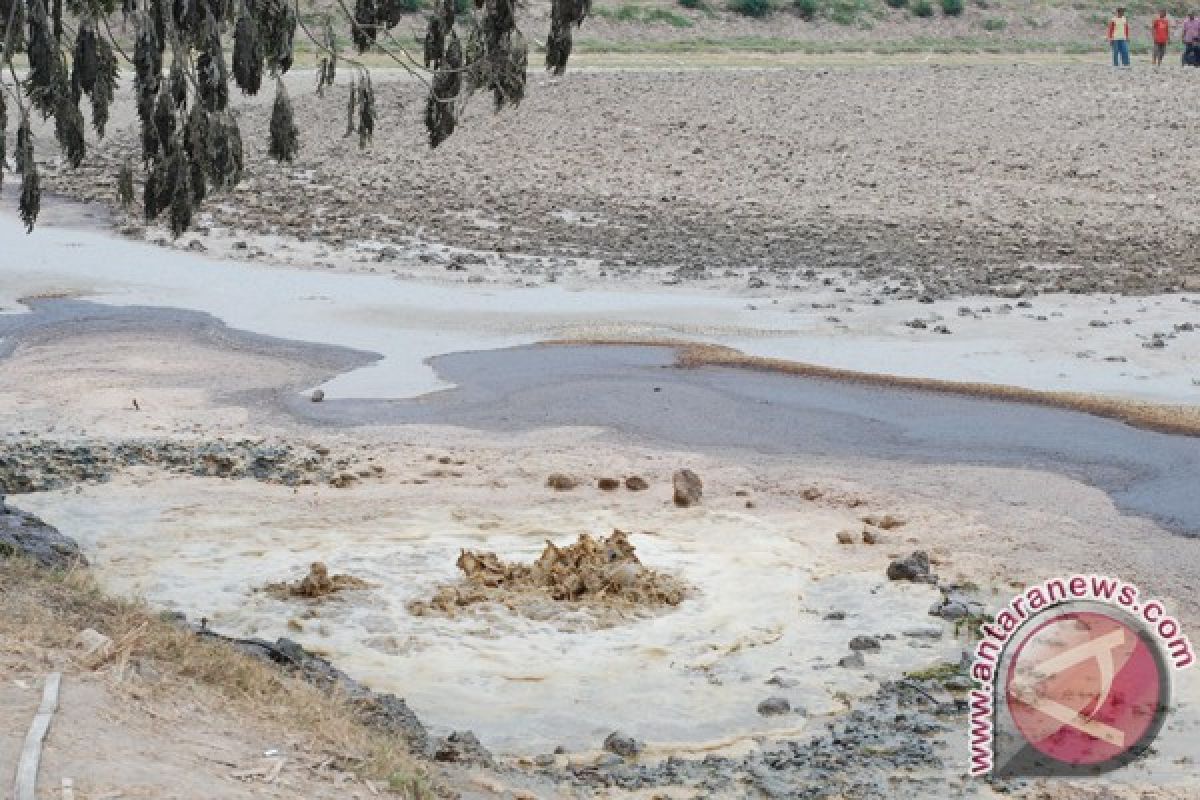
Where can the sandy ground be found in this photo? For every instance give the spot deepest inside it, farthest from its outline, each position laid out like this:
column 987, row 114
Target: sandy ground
column 930, row 181
column 202, row 545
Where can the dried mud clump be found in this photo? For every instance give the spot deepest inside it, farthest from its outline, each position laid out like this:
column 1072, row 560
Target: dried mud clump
column 602, row 575
column 316, row 584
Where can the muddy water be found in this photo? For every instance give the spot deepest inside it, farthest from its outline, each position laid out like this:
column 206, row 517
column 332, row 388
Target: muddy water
column 685, row 680
column 637, row 392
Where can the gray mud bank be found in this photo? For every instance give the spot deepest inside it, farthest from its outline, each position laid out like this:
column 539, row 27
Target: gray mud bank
column 638, row 393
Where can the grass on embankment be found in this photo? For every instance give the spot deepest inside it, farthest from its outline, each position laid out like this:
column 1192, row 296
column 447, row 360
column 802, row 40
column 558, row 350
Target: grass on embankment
column 47, row 609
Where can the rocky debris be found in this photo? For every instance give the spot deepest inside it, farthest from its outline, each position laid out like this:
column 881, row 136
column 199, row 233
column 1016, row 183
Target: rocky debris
column 316, row 584
column 887, row 746
column 846, row 537
column 608, row 484
column 868, row 644
column 462, row 747
column 886, row 522
column 956, row 605
column 35, row 465
column 26, row 536
column 598, row 573
column 688, row 488
column 774, row 706
column 317, row 396
column 636, row 483
column 623, row 745
column 913, row 568
column 870, row 537
column 561, row 482
column 853, row 661
column 383, row 711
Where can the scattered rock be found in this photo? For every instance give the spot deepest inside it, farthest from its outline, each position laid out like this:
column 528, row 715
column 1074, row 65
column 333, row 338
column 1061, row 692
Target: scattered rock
column 774, row 706
column 688, row 488
column 623, row 744
column 561, row 482
column 886, row 522
column 868, row 644
column 846, row 537
column 870, row 537
column 608, row 484
column 462, row 747
column 914, row 568
column 317, row 395
column 853, row 661
column 636, row 483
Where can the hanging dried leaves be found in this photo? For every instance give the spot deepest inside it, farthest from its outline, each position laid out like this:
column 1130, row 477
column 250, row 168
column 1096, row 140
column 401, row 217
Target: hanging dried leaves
column 285, row 142
column 125, row 185
column 247, row 55
column 31, row 192
column 366, row 111
column 191, row 143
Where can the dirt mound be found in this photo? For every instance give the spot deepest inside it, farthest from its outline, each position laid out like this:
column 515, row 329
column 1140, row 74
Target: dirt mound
column 603, row 575
column 316, row 584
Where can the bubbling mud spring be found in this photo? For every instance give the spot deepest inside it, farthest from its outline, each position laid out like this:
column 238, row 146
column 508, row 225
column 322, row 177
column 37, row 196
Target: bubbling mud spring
column 757, row 618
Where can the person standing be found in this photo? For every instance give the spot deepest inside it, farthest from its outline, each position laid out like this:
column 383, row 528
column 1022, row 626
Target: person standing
column 1118, row 38
column 1191, row 40
column 1160, row 32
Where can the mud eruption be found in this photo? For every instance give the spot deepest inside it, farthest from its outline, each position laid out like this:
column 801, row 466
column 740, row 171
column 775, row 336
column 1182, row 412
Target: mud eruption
column 601, row 575
column 316, row 584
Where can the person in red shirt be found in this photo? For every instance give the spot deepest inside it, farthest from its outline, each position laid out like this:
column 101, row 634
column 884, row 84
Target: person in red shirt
column 1160, row 30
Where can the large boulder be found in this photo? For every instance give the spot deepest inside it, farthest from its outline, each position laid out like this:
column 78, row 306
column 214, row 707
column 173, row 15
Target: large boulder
column 25, row 535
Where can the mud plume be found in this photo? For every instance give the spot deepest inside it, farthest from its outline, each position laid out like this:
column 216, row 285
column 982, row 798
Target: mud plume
column 600, row 575
column 318, row 583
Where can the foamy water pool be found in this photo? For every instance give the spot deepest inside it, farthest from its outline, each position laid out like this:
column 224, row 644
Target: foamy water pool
column 686, row 680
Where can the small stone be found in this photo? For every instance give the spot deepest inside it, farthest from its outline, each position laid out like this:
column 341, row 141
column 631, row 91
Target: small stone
column 688, row 488
column 636, row 483
column 853, row 661
column 914, row 568
column 846, row 537
column 561, row 482
column 774, row 706
column 317, row 396
column 870, row 537
column 623, row 745
column 608, row 484
column 869, row 644
column 835, row 616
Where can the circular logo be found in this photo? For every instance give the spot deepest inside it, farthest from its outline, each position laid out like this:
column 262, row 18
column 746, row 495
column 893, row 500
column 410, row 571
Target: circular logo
column 1087, row 689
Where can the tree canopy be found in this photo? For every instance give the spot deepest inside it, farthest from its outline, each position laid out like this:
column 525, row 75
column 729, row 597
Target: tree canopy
column 183, row 54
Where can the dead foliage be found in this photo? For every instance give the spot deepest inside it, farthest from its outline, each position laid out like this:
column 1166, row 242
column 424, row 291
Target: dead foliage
column 599, row 574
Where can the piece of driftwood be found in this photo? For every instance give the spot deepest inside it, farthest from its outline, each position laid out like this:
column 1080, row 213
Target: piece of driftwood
column 31, row 753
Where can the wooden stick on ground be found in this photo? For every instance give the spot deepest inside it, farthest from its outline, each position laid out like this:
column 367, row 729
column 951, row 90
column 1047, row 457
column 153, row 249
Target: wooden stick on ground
column 31, row 753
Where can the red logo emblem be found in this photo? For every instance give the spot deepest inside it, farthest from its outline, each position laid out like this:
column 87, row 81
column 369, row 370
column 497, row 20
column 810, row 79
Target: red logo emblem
column 1086, row 689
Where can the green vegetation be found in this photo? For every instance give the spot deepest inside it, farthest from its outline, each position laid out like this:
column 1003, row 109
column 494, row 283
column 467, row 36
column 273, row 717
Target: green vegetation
column 922, row 8
column 696, row 5
column 898, row 3
column 938, row 672
column 807, row 8
column 995, row 24
column 952, row 8
column 635, row 13
column 750, row 8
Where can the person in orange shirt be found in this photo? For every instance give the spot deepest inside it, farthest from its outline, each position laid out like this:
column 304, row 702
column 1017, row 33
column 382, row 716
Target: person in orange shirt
column 1160, row 31
column 1118, row 38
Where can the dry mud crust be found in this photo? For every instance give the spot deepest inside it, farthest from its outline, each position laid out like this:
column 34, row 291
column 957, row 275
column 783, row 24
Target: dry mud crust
column 940, row 180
